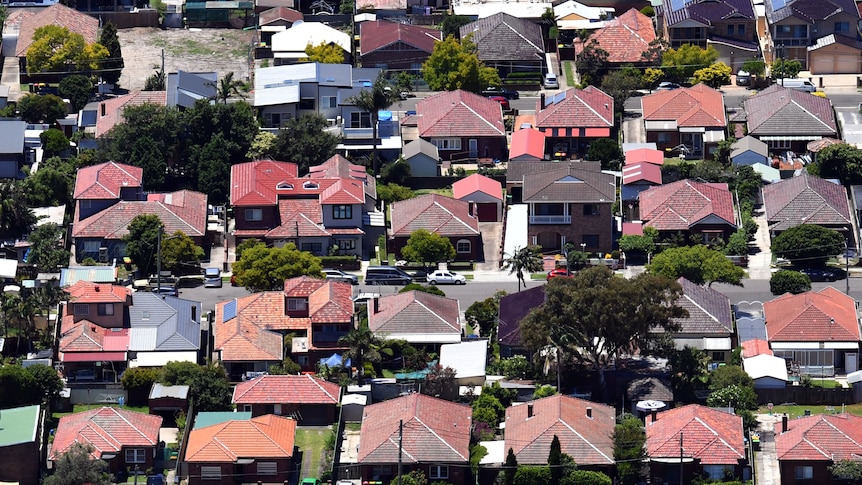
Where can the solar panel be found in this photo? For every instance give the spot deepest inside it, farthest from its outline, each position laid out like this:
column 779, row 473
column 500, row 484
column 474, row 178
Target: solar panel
column 229, row 311
column 778, row 4
column 750, row 329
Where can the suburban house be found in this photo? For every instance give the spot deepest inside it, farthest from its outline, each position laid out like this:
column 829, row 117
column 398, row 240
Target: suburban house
column 573, row 119
column 686, row 122
column 259, row 449
column 709, row 325
column 506, row 43
column 435, row 437
column 528, row 144
column 396, row 46
column 787, row 119
column 585, row 430
column 274, row 20
column 122, row 438
column 420, row 318
column 423, row 158
column 570, row 204
column 513, row 308
column 624, row 38
column 637, row 178
column 448, row 217
column 749, row 150
column 163, row 329
column 288, row 46
column 109, row 112
column 574, row 15
column 184, row 89
column 462, row 125
column 807, row 446
column 20, row 445
column 14, row 153
column 712, row 443
column 691, row 208
column 817, row 331
column 59, row 15
column 309, row 400
column 483, row 193
column 806, row 199
column 249, row 331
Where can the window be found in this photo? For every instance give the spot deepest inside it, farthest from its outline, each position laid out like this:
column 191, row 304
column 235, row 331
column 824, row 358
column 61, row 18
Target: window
column 210, row 473
column 91, row 246
column 310, row 185
column 663, row 137
column 86, row 204
column 439, row 472
column 730, row 30
column 302, row 360
column 342, row 212
column 464, row 246
column 306, row 104
column 296, row 304
column 105, row 309
column 346, row 244
column 842, row 27
column 447, row 143
column 328, row 102
column 718, row 357
column 136, row 455
column 360, row 119
column 716, row 472
column 81, row 309
column 267, row 468
column 778, row 144
column 145, row 315
column 284, row 186
column 314, row 248
column 591, row 209
column 254, row 214
column 380, row 471
column 246, row 408
column 712, row 237
column 591, row 240
column 804, row 473
column 740, row 30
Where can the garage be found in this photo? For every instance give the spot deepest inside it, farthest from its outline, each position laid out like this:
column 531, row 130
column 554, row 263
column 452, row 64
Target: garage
column 835, row 54
column 484, row 194
column 486, row 212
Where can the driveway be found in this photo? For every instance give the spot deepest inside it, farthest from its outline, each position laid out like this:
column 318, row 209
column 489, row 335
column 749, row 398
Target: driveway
column 492, row 239
column 850, row 121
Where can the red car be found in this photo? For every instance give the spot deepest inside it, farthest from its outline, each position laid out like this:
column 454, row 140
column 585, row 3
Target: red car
column 502, row 100
column 559, row 272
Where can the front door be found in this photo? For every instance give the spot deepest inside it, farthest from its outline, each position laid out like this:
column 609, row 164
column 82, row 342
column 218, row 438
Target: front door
column 474, row 147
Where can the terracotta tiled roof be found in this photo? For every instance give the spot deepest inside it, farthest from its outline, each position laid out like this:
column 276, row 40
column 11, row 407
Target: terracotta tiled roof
column 821, row 437
column 502, row 37
column 697, row 106
column 286, row 389
column 255, row 183
column 108, row 430
column 110, row 111
column 570, row 182
column 343, row 191
column 415, row 312
column 583, row 108
column 783, row 111
column 708, row 310
column 513, row 308
column 714, row 437
column 184, row 211
column 279, row 13
column 585, row 430
column 379, row 34
column 104, row 181
column 527, row 143
column 459, row 114
column 805, row 199
column 62, row 16
column 299, row 215
column 86, row 336
column 434, row 431
column 435, row 213
column 261, row 437
column 626, row 37
column 87, row 292
column 751, row 348
column 822, row 316
column 339, row 167
column 477, row 183
column 683, row 204
column 643, row 171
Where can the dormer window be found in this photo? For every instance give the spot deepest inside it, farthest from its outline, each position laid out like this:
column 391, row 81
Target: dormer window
column 296, row 304
column 310, row 186
column 284, row 186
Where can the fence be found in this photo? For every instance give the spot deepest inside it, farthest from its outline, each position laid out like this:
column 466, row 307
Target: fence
column 806, row 396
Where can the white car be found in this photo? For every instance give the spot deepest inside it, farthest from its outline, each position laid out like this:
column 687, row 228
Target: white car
column 338, row 275
column 551, row 81
column 445, row 278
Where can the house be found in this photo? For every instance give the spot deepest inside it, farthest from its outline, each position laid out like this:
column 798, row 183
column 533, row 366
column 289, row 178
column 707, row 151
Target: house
column 97, row 187
column 168, row 399
column 709, row 325
column 14, row 153
column 285, row 92
column 818, row 330
column 420, row 318
column 585, row 430
column 573, row 119
column 462, row 125
column 571, row 203
column 806, row 199
column 274, row 20
column 787, row 119
column 384, row 8
column 59, row 15
column 184, row 89
column 767, row 371
column 477, row 10
column 484, row 194
column 20, row 445
column 439, row 214
column 693, row 117
column 508, row 44
column 806, row 447
column 163, row 329
column 309, row 400
column 249, row 331
column 637, row 178
column 528, row 144
column 109, row 112
column 259, row 449
column 693, row 208
column 624, row 38
column 749, row 150
column 640, row 155
column 122, row 438
column 288, row 46
column 423, row 158
column 712, row 443
column 434, row 437
column 468, row 359
column 396, row 46
column 574, row 15
column 513, row 308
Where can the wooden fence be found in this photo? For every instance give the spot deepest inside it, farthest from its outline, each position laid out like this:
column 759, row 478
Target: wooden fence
column 806, row 396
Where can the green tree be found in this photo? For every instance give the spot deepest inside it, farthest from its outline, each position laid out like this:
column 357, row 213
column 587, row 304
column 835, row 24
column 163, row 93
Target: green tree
column 715, row 75
column 652, row 76
column 138, row 381
column 211, row 390
column 428, row 248
column 698, row 264
column 156, row 81
column 482, row 316
column 606, row 151
column 737, row 244
column 16, row 217
column 523, row 260
column 51, row 185
column 304, row 141
column 592, row 62
column 35, row 108
column 228, row 87
column 516, row 367
column 363, row 347
column 287, row 367
column 263, row 147
column 380, row 97
column 620, row 84
column 46, row 381
column 415, row 477
column 586, row 477
column 488, row 409
column 644, row 243
column 629, row 450
column 786, row 281
column 451, row 25
column 440, row 382
column 455, row 65
column 112, row 66
column 179, row 373
column 755, row 67
column 785, row 68
column 57, row 49
column 54, row 142
column 424, row 288
column 180, row 254
column 77, row 89
column 397, row 172
column 689, row 369
column 681, row 63
column 248, row 243
column 740, row 398
column 390, row 193
column 532, row 475
column 841, row 161
column 142, row 241
column 808, row 244
column 544, row 391
column 75, row 467
column 212, row 162
column 729, row 375
column 848, row 471
column 262, row 268
column 555, row 461
column 46, row 249
column 325, row 53
column 510, row 467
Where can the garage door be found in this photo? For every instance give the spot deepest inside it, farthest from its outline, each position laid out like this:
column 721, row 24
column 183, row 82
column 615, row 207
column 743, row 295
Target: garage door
column 835, row 64
column 846, row 64
column 823, row 64
column 486, row 212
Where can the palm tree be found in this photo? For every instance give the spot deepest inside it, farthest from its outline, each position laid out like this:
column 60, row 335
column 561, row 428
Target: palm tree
column 364, row 347
column 227, row 87
column 526, row 259
column 379, row 97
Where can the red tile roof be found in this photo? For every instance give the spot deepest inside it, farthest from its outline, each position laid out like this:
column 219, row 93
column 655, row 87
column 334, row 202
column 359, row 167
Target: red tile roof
column 343, row 191
column 298, row 215
column 104, row 181
column 527, row 143
column 477, row 183
column 108, row 430
column 805, row 199
column 62, row 16
column 184, row 211
column 683, row 204
column 435, row 213
column 459, row 114
column 639, row 155
column 626, row 37
column 380, row 34
column 338, row 167
column 255, row 183
column 88, row 292
column 279, row 13
column 86, row 336
column 714, row 437
column 822, row 316
column 697, row 106
column 110, row 111
column 582, row 108
column 434, row 431
column 287, row 389
column 262, row 437
column 415, row 312
column 751, row 348
column 642, row 172
column 821, row 437
column 584, row 428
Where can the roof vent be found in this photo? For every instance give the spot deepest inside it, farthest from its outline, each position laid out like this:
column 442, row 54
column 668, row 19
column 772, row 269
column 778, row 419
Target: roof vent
column 97, row 289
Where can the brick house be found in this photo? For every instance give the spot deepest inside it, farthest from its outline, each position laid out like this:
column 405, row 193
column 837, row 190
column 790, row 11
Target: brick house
column 573, row 119
column 807, row 446
column 693, row 117
column 704, row 210
column 448, row 217
column 396, row 46
column 420, row 318
column 309, row 400
column 787, row 119
column 462, row 125
column 57, row 14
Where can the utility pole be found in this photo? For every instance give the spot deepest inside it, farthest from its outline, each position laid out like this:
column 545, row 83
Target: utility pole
column 163, row 63
column 400, row 442
column 159, row 247
column 680, row 459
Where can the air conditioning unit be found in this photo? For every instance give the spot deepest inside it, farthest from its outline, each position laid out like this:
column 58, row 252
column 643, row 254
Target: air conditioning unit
column 103, row 255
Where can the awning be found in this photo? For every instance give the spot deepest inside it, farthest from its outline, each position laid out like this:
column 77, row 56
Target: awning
column 598, row 132
column 713, row 136
column 790, row 138
column 660, row 125
column 93, row 356
column 691, row 129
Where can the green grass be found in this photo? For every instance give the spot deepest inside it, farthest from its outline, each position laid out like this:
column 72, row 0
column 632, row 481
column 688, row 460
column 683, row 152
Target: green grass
column 312, row 442
column 79, row 408
column 825, row 383
column 388, row 374
column 447, row 192
column 796, row 411
column 538, row 276
column 353, row 426
column 569, row 72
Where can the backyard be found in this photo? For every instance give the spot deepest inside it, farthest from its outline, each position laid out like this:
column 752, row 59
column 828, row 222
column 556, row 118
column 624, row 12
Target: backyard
column 312, row 442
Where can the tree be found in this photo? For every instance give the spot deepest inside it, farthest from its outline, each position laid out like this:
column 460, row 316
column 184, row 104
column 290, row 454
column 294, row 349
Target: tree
column 689, row 369
column 324, row 53
column 488, row 409
column 606, row 151
column 75, row 467
column 714, row 75
column 46, row 250
column 510, row 467
column 644, row 243
column 729, row 375
column 415, row 477
column 363, row 346
column 698, row 264
column 554, row 461
column 655, row 53
column 629, row 451
column 77, row 89
column 586, row 477
column 16, row 217
column 544, row 391
column 138, row 381
column 841, row 161
column 51, row 185
column 482, row 316
column 228, row 87
column 451, row 25
column 532, row 475
column 680, row 64
column 740, row 398
column 156, row 81
column 57, row 49
column 516, row 367
column 142, row 241
column 287, row 367
column 427, row 247
column 304, row 141
column 389, row 193
column 755, row 67
column 54, row 142
column 626, row 321
column 211, row 389
column 180, row 253
column 849, row 471
column 440, row 382
column 786, row 281
column 455, row 65
column 397, row 172
column 592, row 62
column 808, row 244
column 737, row 244
column 620, row 84
column 380, row 97
column 785, row 68
column 112, row 66
column 262, row 268
column 263, row 147
column 179, row 373
column 652, row 76
column 527, row 259
column 35, row 108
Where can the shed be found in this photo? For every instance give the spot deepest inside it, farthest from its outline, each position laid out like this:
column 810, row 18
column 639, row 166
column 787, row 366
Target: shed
column 352, row 407
column 484, row 194
column 748, row 150
column 649, row 155
column 468, row 359
column 423, row 158
column 168, row 399
column 528, row 144
column 767, row 371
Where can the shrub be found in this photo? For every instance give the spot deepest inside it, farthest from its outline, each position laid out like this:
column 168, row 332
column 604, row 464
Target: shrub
column 786, row 281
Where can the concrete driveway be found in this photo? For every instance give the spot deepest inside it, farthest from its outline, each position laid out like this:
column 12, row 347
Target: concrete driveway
column 850, row 121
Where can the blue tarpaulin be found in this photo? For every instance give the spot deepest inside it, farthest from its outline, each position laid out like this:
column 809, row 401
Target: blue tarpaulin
column 335, row 360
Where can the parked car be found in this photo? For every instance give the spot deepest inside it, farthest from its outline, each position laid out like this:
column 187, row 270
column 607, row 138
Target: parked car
column 504, row 103
column 667, row 86
column 445, row 278
column 559, row 272
column 338, row 275
column 551, row 81
column 498, row 91
column 166, row 291
column 821, row 274
column 743, row 78
column 212, row 278
column 386, row 275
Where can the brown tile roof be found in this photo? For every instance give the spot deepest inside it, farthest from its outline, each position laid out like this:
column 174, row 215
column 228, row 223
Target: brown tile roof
column 583, row 108
column 107, row 430
column 783, row 111
column 513, row 308
column 302, row 215
column 649, row 388
column 255, row 183
column 570, row 183
column 104, row 181
column 415, row 312
column 823, row 316
column 434, row 431
column 279, row 13
column 184, row 211
column 110, row 111
column 459, row 114
column 585, row 430
column 62, row 16
column 518, row 169
column 286, row 389
column 824, row 437
column 435, row 213
column 709, row 311
column 685, row 203
column 697, row 106
column 502, row 37
column 86, row 336
column 626, row 37
column 805, row 199
column 344, row 191
column 380, row 34
column 714, row 437
column 88, row 292
column 262, row 437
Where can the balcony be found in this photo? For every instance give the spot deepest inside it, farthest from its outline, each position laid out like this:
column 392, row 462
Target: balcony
column 550, row 219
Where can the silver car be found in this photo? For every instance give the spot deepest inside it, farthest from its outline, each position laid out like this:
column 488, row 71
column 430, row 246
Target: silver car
column 212, row 278
column 338, row 275
column 441, row 277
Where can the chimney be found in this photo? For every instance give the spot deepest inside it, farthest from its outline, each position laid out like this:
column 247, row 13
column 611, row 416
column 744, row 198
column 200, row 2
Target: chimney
column 784, row 423
column 653, row 416
column 470, row 208
column 529, row 410
column 541, row 102
column 375, row 305
column 590, row 413
column 96, row 289
column 103, row 108
column 194, row 312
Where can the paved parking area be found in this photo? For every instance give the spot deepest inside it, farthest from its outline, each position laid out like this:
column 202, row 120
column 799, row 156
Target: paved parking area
column 850, row 121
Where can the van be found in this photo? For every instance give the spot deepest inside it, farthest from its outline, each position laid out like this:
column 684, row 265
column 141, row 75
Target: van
column 798, row 84
column 386, row 275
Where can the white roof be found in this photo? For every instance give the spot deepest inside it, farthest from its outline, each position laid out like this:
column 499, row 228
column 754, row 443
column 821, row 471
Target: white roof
column 765, row 365
column 496, row 452
column 301, row 34
column 161, row 390
column 580, row 24
column 467, row 358
column 520, row 10
column 160, row 359
column 45, row 215
column 572, row 7
column 8, row 268
column 354, row 399
column 365, row 17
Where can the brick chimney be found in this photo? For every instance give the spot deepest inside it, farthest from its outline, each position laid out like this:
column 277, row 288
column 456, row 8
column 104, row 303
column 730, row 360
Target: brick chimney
column 375, row 305
column 784, row 423
column 590, row 413
column 541, row 101
column 529, row 410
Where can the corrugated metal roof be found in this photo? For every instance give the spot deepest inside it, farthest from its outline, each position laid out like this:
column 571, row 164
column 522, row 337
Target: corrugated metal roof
column 94, row 274
column 160, row 390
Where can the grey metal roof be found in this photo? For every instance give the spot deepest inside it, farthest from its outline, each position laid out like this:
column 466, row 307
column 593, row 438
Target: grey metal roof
column 185, row 88
column 569, row 183
column 12, row 135
column 420, row 145
column 163, row 324
column 93, row 274
column 161, row 390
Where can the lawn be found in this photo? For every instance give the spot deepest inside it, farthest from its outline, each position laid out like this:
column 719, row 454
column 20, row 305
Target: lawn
column 78, row 408
column 795, row 411
column 447, row 191
column 312, row 442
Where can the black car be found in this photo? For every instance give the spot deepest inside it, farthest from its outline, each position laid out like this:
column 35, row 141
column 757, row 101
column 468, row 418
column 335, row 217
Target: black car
column 498, row 91
column 821, row 274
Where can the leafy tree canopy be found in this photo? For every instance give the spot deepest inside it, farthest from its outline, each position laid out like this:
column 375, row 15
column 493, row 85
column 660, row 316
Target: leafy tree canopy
column 452, row 24
column 261, row 268
column 180, row 254
column 682, row 62
column 714, row 75
column 46, row 250
column 36, row 108
column 424, row 288
column 786, row 281
column 606, row 151
column 75, row 467
column 57, row 49
column 644, row 243
column 841, row 161
column 324, row 53
column 755, row 67
column 390, row 193
column 142, row 241
column 77, row 89
column 455, row 65
column 482, row 315
column 428, row 248
column 304, row 141
column 728, row 375
column 629, row 450
column 620, row 84
column 808, row 244
column 698, row 264
column 112, row 66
